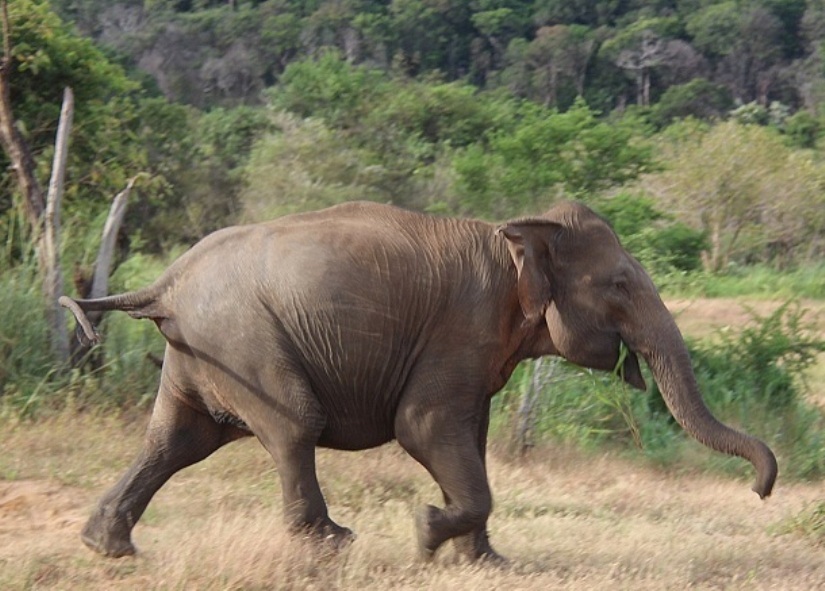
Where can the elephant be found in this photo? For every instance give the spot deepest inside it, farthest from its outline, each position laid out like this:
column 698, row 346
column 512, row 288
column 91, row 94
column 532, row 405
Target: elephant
column 362, row 323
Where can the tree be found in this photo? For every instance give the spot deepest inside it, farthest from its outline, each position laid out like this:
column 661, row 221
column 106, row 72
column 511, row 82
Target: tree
column 698, row 98
column 743, row 44
column 545, row 153
column 43, row 213
column 46, row 57
column 644, row 47
column 745, row 189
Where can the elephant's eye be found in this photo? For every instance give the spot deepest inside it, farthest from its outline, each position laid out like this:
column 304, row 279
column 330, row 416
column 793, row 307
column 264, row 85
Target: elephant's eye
column 620, row 285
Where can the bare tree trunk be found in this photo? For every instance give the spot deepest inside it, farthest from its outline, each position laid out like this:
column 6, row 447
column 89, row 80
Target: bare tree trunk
column 105, row 254
column 49, row 239
column 103, row 267
column 711, row 260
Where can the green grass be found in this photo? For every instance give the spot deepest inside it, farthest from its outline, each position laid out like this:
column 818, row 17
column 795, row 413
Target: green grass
column 757, row 281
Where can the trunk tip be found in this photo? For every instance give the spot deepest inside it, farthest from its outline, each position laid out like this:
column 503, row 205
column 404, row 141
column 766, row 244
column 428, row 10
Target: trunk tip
column 766, row 476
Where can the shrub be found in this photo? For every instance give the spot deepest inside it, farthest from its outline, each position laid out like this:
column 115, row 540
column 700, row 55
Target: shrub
column 755, row 379
column 660, row 243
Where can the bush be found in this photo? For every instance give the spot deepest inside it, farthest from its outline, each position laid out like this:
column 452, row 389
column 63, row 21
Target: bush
column 755, row 379
column 661, row 244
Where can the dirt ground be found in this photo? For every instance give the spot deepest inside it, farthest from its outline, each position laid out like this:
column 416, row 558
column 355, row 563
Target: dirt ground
column 701, row 316
column 568, row 520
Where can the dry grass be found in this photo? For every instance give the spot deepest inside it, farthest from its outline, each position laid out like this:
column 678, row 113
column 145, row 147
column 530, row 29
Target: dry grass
column 568, row 522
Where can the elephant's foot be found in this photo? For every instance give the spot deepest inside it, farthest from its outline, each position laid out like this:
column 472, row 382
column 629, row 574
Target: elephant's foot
column 107, row 541
column 327, row 533
column 428, row 538
column 475, row 547
column 335, row 536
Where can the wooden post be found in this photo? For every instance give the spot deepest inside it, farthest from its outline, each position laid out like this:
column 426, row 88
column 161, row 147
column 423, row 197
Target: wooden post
column 49, row 239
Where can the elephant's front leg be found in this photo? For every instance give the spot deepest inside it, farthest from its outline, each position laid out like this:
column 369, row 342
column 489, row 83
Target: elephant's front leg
column 447, row 445
column 476, row 544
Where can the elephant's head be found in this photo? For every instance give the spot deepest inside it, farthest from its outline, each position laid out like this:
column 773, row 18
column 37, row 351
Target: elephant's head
column 575, row 277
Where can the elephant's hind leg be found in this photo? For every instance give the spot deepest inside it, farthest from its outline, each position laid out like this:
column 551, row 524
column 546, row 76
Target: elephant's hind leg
column 177, row 436
column 290, row 433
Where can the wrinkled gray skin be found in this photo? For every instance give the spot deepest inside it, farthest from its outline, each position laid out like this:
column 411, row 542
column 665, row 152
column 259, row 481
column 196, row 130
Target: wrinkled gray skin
column 352, row 326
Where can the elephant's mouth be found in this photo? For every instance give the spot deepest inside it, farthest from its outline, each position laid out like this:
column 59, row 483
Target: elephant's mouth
column 627, row 367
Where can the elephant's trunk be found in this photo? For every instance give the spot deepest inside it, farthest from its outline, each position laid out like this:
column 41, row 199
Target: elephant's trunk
column 670, row 363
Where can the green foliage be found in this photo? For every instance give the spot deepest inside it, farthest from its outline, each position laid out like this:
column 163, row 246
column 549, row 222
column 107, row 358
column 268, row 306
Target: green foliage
column 763, row 363
column 546, row 153
column 761, row 281
column 306, row 165
column 453, row 113
column 753, row 196
column 698, row 98
column 48, row 56
column 803, row 130
column 715, row 27
column 26, row 370
column 663, row 245
column 327, row 87
column 31, row 386
column 756, row 379
column 575, row 406
column 197, row 161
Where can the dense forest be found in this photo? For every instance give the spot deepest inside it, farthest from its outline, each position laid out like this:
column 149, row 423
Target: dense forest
column 708, row 112
column 705, row 55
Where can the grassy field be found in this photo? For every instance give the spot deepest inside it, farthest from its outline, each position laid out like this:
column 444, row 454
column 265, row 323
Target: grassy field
column 567, row 520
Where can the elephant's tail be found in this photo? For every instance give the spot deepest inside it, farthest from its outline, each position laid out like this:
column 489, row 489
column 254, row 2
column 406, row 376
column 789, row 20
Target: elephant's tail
column 138, row 304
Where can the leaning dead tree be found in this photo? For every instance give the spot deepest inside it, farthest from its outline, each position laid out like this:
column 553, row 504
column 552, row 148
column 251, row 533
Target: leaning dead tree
column 98, row 286
column 49, row 239
column 22, row 161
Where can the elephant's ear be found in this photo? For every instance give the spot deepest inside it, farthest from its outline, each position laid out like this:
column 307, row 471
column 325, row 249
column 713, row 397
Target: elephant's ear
column 529, row 244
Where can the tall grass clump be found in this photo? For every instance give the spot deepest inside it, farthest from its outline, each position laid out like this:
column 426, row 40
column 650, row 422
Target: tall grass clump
column 118, row 373
column 753, row 380
column 808, row 524
column 27, row 374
